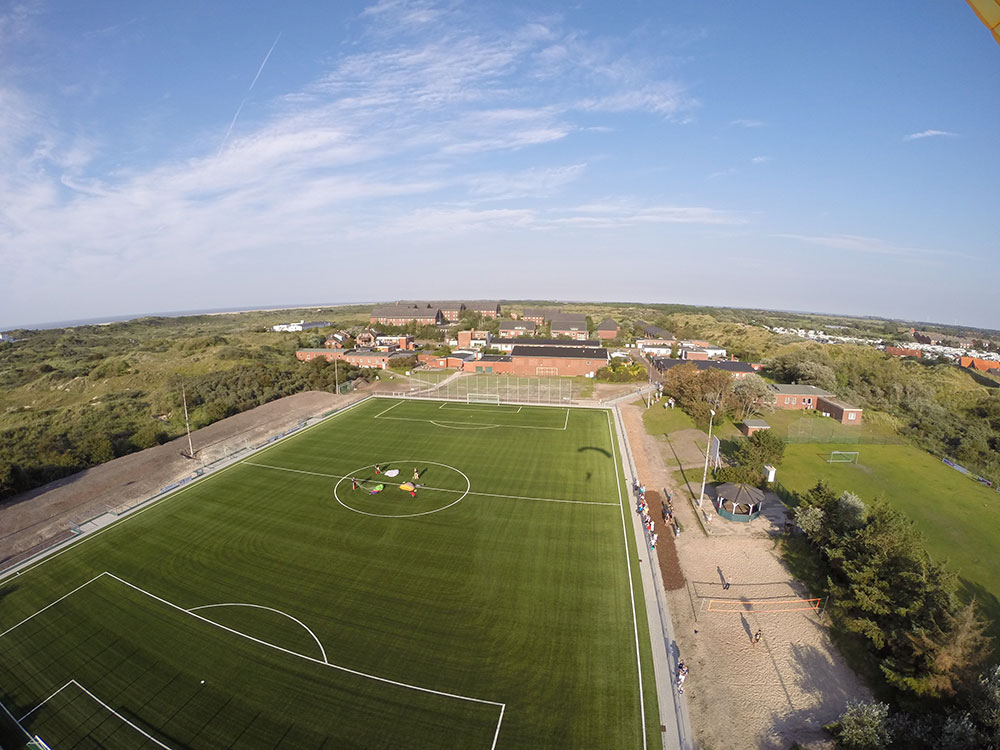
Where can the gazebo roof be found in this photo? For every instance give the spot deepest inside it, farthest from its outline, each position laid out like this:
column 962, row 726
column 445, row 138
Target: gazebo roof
column 740, row 494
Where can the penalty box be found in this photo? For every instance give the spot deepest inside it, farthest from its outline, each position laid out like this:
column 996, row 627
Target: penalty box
column 112, row 660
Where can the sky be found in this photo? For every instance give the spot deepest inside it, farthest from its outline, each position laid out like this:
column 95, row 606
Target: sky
column 782, row 155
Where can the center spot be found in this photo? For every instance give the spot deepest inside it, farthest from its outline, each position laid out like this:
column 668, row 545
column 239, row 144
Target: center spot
column 440, row 487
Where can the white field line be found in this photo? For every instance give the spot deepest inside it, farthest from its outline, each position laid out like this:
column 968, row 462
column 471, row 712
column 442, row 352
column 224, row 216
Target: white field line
column 483, row 424
column 496, row 734
column 155, row 502
column 191, row 613
column 312, row 659
column 461, row 425
column 269, row 609
column 502, row 408
column 94, row 698
column 50, row 604
column 387, row 410
column 136, row 728
column 631, row 588
column 438, row 489
column 45, row 701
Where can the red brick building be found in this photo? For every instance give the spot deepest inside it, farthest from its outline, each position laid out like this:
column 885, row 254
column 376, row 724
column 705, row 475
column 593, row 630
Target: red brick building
column 608, row 329
column 837, row 409
column 749, row 426
column 899, row 351
column 490, row 364
column 400, row 315
column 488, row 308
column 538, row 315
column 797, row 396
column 540, row 361
column 510, row 329
column 573, row 325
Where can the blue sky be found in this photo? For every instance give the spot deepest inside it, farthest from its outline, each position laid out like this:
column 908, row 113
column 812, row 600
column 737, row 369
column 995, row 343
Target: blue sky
column 788, row 155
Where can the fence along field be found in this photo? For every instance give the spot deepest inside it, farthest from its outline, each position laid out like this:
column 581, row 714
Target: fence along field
column 504, row 619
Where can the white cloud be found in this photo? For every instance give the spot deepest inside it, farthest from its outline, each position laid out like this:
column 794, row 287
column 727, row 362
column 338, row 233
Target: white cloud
column 928, row 134
column 867, row 245
column 760, row 160
column 747, row 123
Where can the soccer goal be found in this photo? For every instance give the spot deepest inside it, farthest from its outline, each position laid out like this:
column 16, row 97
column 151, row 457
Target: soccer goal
column 483, row 398
column 37, row 743
column 842, row 457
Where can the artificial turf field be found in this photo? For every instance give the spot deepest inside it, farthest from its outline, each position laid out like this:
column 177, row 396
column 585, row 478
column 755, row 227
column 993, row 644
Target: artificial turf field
column 501, row 607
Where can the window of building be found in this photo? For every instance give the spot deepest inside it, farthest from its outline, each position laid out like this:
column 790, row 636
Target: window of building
column 852, row 415
column 794, row 399
column 786, row 400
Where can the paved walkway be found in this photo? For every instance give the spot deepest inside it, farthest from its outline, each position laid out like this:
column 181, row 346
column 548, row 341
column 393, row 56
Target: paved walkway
column 674, row 716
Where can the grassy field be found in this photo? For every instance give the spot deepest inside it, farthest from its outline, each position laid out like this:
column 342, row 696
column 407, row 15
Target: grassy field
column 959, row 517
column 271, row 605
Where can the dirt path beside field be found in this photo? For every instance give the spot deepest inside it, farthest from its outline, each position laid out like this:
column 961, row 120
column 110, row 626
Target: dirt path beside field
column 782, row 690
column 41, row 517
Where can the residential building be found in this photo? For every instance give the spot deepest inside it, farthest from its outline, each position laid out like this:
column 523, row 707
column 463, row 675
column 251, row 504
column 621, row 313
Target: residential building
column 797, row 396
column 394, row 341
column 899, row 351
column 403, row 314
column 488, row 308
column 366, row 338
column 573, row 325
column 474, row 338
column 608, row 329
column 510, row 329
column 507, row 345
column 538, row 315
column 338, row 340
column 654, row 332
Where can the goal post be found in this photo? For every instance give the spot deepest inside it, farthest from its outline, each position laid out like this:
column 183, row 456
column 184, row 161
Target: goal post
column 483, row 398
column 843, row 457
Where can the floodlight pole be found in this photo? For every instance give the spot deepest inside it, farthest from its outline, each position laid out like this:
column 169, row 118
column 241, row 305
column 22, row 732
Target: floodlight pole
column 708, row 450
column 187, row 421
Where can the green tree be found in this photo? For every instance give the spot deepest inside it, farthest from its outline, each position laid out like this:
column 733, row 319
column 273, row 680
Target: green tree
column 863, row 726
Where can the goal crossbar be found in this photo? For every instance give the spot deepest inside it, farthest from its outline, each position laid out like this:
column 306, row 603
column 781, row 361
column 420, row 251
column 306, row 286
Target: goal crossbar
column 763, row 607
column 843, row 457
column 483, row 398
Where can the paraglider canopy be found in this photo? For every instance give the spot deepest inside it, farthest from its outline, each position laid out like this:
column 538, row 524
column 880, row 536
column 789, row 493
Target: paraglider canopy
column 989, row 13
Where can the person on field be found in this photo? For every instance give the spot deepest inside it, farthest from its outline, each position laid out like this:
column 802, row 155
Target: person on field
column 378, row 469
column 354, row 483
column 416, row 475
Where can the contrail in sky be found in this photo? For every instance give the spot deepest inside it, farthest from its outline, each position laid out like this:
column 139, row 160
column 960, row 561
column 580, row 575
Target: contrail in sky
column 252, row 84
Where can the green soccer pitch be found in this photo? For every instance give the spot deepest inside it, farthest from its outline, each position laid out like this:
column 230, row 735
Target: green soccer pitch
column 271, row 605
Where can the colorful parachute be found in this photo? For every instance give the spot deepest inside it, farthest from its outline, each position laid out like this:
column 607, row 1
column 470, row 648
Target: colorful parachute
column 989, row 13
column 406, row 487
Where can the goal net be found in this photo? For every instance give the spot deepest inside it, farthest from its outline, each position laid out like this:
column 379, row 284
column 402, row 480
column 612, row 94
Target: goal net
column 36, row 743
column 763, row 607
column 483, row 398
column 843, row 457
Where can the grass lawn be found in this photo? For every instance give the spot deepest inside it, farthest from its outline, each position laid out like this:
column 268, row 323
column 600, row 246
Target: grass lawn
column 809, row 426
column 959, row 517
column 271, row 605
column 660, row 421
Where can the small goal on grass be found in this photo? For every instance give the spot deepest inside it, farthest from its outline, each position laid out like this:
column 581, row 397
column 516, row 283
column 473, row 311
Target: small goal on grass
column 483, row 398
column 36, row 743
column 842, row 457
